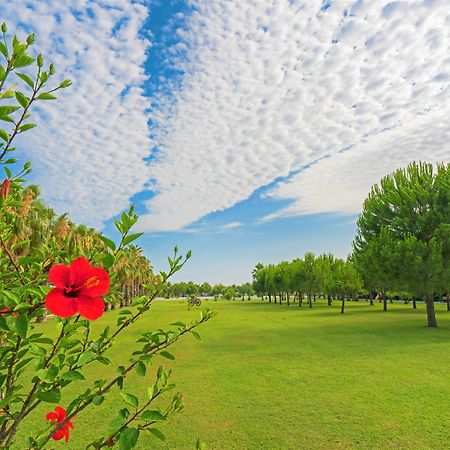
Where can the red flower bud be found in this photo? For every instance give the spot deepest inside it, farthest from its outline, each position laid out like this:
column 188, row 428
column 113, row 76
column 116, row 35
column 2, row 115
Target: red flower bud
column 4, row 188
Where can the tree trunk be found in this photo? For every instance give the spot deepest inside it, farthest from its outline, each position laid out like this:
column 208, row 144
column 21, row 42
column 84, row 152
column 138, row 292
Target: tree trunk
column 431, row 315
column 342, row 305
column 384, row 301
column 447, row 299
column 414, row 304
column 329, row 299
column 310, row 302
column 287, row 298
column 300, row 300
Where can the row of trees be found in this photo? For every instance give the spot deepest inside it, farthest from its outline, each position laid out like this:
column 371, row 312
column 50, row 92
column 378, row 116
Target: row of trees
column 402, row 246
column 219, row 290
column 308, row 278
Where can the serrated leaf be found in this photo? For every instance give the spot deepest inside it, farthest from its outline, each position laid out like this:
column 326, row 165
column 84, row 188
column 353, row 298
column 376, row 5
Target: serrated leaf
column 132, row 237
column 6, row 119
column 26, row 78
column 18, row 324
column 85, row 358
column 23, row 61
column 108, row 242
column 46, row 96
column 3, row 50
column 4, row 135
column 157, row 433
column 128, row 438
column 151, row 415
column 23, row 101
column 50, row 396
column 73, row 375
column 26, row 127
column 141, row 369
column 130, row 399
column 108, row 261
column 167, row 355
column 8, row 109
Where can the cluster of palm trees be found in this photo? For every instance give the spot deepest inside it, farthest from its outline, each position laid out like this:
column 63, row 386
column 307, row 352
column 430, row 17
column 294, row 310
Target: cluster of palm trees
column 308, row 278
column 36, row 226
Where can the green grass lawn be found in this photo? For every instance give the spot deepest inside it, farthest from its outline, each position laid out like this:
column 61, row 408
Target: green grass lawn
column 269, row 376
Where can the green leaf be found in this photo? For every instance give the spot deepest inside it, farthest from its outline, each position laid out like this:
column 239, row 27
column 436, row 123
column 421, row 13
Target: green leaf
column 128, row 438
column 22, row 99
column 108, row 242
column 48, row 375
column 151, row 415
column 46, row 96
column 3, row 50
column 167, row 355
column 6, row 119
column 4, row 135
column 132, row 237
column 116, row 423
column 73, row 375
column 18, row 324
column 26, row 78
column 130, row 399
column 8, row 109
column 23, row 60
column 85, row 358
column 108, row 261
column 157, row 433
column 141, row 369
column 26, row 127
column 98, row 400
column 50, row 396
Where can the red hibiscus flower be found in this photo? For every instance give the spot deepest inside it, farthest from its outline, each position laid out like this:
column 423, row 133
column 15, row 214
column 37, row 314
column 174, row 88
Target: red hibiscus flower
column 59, row 416
column 77, row 289
column 4, row 188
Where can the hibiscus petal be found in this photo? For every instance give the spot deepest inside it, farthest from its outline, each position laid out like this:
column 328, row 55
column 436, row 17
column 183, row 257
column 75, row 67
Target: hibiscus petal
column 80, row 268
column 90, row 307
column 58, row 435
column 65, row 431
column 59, row 276
column 51, row 416
column 59, row 304
column 61, row 412
column 96, row 284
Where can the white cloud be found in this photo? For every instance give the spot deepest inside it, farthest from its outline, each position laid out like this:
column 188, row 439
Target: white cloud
column 341, row 182
column 272, row 86
column 89, row 145
column 231, row 226
column 268, row 87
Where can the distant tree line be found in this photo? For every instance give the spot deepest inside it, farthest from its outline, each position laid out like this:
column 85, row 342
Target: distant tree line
column 401, row 250
column 231, row 292
column 308, row 278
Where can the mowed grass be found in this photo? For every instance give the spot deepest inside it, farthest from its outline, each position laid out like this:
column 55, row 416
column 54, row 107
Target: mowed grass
column 269, row 376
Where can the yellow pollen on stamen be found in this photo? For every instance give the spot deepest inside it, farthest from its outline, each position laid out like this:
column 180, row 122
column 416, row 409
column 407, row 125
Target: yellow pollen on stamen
column 92, row 282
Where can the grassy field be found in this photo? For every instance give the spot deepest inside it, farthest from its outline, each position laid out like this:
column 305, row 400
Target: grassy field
column 267, row 376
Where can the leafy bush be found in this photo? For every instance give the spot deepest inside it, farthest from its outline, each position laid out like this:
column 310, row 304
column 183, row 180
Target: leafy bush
column 43, row 268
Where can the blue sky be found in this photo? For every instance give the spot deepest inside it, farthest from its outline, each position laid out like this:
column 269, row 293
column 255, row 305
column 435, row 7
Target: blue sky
column 244, row 131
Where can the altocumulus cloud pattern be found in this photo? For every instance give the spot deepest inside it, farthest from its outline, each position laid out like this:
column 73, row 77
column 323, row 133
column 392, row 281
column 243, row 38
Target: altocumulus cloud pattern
column 325, row 96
